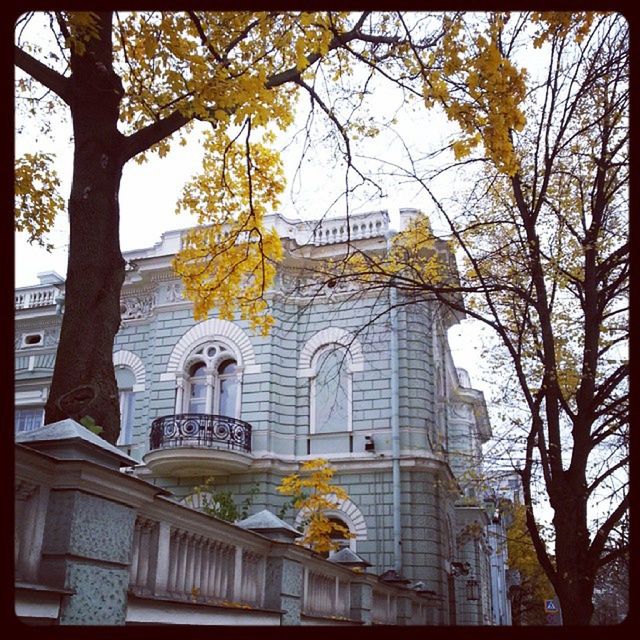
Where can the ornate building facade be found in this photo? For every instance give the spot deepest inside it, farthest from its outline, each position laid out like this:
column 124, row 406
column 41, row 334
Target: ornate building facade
column 375, row 393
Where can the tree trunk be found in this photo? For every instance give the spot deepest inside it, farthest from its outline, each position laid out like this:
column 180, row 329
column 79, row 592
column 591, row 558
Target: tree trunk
column 575, row 570
column 84, row 381
column 516, row 609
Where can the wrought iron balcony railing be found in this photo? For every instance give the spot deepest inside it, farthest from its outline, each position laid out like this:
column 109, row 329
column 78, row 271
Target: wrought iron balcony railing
column 200, row 430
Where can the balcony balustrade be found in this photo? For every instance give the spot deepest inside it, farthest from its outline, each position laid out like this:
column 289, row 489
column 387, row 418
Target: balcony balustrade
column 200, row 430
column 189, row 444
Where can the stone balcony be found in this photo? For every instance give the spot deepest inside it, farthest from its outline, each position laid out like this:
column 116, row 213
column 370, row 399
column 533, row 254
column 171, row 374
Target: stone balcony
column 191, row 444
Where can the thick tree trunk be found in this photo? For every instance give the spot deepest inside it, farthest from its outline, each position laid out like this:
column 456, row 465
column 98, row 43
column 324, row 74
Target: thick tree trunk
column 83, row 380
column 575, row 569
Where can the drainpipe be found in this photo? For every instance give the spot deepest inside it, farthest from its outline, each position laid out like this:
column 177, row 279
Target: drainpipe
column 395, row 424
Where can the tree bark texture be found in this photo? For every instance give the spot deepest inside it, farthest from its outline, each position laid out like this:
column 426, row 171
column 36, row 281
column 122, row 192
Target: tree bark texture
column 575, row 564
column 84, row 381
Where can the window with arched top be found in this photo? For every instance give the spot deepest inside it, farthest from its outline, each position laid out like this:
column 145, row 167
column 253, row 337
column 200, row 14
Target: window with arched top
column 329, row 359
column 212, row 379
column 130, row 378
column 331, row 391
column 198, row 388
column 345, row 513
column 339, row 537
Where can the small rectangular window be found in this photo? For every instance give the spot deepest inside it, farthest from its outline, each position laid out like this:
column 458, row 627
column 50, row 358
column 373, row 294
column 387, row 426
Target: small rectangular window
column 28, row 418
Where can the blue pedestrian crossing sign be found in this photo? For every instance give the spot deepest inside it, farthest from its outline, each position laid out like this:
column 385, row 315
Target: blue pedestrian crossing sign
column 550, row 606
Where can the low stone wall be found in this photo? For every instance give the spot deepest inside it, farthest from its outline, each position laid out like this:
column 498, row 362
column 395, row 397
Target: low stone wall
column 95, row 546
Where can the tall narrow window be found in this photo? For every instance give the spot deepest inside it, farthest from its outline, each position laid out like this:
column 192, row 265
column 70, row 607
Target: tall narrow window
column 330, row 392
column 338, row 536
column 229, row 384
column 126, row 380
column 198, row 389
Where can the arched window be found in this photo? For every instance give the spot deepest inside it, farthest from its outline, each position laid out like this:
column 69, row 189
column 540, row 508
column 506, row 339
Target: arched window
column 338, row 536
column 228, row 372
column 329, row 359
column 126, row 380
column 212, row 384
column 331, row 391
column 345, row 513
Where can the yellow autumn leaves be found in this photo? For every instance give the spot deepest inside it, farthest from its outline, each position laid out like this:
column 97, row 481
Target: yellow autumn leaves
column 478, row 85
column 37, row 201
column 229, row 262
column 220, row 67
column 217, row 66
column 313, row 492
column 479, row 89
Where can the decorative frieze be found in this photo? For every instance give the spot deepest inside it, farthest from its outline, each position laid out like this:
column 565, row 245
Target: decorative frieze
column 170, row 293
column 23, row 490
column 461, row 410
column 136, row 307
column 305, row 285
column 51, row 337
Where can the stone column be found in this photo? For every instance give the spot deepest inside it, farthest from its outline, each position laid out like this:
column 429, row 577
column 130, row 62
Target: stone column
column 180, row 384
column 88, row 549
column 283, row 588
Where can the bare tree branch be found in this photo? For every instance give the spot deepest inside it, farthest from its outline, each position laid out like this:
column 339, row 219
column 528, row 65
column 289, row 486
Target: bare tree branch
column 43, row 74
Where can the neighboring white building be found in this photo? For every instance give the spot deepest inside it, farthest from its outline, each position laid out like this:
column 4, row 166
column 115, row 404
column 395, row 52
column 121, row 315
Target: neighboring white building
column 209, row 398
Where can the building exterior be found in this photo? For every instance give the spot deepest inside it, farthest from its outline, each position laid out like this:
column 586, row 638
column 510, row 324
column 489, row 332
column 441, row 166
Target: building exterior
column 375, row 393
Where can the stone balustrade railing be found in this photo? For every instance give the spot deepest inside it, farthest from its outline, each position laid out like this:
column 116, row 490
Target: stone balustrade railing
column 33, row 297
column 331, row 230
column 190, row 556
column 384, row 609
column 361, row 226
column 115, row 549
column 326, row 591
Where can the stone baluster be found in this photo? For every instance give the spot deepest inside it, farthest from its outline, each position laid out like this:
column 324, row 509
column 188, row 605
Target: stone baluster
column 160, row 559
column 143, row 558
column 237, row 574
column 189, row 564
column 203, row 577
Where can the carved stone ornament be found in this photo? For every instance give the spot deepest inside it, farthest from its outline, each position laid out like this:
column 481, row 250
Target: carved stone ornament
column 311, row 285
column 461, row 410
column 172, row 292
column 24, row 490
column 136, row 307
column 51, row 337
